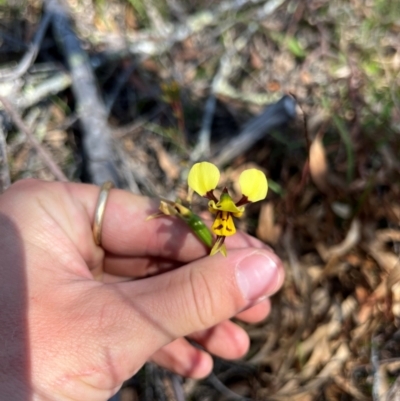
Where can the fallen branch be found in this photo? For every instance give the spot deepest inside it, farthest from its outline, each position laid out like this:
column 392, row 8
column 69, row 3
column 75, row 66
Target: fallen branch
column 274, row 116
column 24, row 99
column 96, row 134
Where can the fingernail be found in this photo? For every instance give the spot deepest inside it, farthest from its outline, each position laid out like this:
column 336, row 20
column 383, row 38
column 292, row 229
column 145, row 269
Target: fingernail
column 257, row 275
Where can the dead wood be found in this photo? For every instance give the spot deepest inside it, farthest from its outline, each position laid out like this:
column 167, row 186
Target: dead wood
column 96, row 134
column 273, row 117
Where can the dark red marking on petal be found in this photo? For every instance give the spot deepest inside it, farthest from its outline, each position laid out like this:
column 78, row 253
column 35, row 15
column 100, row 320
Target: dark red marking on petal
column 210, row 195
column 244, row 200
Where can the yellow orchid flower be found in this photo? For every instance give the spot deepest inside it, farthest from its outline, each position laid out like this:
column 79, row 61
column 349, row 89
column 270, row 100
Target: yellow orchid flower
column 203, row 179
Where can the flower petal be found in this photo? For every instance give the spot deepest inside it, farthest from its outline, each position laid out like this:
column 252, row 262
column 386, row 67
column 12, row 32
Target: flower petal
column 253, row 184
column 225, row 204
column 203, row 177
column 224, row 225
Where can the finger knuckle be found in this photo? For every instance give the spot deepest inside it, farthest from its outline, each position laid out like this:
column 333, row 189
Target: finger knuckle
column 203, row 297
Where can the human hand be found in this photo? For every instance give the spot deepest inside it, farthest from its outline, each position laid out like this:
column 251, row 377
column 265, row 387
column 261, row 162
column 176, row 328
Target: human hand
column 74, row 324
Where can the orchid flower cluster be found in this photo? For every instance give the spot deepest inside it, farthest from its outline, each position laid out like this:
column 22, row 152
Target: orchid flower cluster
column 203, row 179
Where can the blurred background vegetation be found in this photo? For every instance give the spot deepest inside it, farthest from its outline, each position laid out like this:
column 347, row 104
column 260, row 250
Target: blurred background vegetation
column 136, row 91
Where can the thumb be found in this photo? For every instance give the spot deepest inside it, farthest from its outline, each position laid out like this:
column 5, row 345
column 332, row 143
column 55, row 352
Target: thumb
column 204, row 292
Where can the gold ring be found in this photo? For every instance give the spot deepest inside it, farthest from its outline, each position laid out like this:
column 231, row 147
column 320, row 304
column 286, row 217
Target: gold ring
column 99, row 215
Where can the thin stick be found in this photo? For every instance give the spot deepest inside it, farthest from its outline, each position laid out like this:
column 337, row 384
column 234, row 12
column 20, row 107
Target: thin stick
column 30, row 56
column 177, row 386
column 4, row 171
column 226, row 68
column 44, row 155
column 121, row 81
column 202, row 149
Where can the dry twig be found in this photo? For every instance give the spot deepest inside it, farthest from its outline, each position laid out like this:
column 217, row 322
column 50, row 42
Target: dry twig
column 30, row 55
column 4, row 171
column 44, row 155
column 51, row 86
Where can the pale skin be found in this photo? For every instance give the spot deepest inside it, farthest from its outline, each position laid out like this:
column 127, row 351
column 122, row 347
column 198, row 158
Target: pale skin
column 74, row 322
